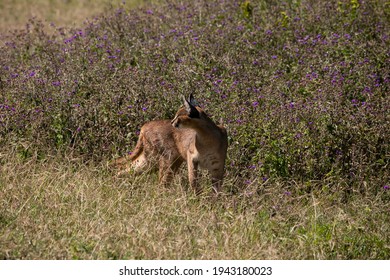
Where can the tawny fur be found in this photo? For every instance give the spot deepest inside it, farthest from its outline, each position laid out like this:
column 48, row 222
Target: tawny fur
column 190, row 137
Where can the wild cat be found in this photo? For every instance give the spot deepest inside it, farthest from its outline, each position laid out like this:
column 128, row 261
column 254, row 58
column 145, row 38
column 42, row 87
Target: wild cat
column 190, row 137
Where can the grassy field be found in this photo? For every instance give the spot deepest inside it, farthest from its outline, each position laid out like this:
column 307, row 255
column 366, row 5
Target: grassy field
column 14, row 14
column 302, row 87
column 69, row 210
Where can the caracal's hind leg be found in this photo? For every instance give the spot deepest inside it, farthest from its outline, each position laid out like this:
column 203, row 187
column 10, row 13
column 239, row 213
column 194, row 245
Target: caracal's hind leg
column 165, row 173
column 168, row 167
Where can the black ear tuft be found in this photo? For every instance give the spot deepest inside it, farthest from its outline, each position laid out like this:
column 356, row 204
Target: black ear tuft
column 192, row 100
column 190, row 108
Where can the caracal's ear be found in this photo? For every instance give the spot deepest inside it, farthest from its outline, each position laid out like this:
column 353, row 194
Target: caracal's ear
column 191, row 110
column 186, row 104
column 192, row 100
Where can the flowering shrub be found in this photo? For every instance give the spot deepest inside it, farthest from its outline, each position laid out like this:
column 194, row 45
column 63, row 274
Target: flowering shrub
column 302, row 86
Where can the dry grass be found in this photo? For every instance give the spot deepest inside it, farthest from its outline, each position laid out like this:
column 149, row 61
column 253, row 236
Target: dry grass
column 69, row 210
column 14, row 14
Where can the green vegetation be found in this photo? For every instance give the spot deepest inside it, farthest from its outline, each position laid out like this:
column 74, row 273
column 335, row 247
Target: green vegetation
column 302, row 87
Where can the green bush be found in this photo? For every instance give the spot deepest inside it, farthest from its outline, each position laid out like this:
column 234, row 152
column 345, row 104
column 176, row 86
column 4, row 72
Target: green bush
column 302, row 86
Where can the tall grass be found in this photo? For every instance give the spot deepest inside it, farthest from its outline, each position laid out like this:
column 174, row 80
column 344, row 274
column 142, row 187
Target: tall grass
column 302, row 87
column 70, row 210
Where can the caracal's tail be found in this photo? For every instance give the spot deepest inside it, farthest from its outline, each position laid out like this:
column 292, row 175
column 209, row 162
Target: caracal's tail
column 135, row 160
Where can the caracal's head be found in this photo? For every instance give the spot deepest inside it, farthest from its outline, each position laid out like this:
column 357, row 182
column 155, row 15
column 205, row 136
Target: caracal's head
column 186, row 114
